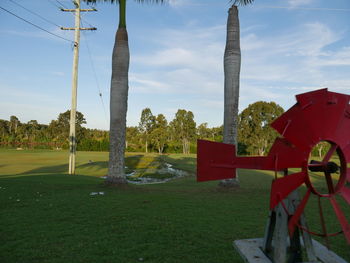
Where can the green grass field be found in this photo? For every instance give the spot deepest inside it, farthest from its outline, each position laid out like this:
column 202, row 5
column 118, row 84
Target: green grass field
column 49, row 216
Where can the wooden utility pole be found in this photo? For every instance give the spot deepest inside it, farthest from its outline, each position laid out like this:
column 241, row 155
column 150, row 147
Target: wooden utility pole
column 77, row 28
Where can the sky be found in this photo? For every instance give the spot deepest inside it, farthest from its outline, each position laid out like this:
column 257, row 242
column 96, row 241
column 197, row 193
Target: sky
column 288, row 47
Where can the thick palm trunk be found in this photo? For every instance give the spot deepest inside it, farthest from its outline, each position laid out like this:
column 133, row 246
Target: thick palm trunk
column 232, row 67
column 118, row 108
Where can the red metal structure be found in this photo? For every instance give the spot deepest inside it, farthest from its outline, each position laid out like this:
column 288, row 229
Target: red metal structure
column 317, row 116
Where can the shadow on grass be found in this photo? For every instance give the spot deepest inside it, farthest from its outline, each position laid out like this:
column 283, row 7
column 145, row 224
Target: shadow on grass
column 52, row 169
column 131, row 161
column 100, row 165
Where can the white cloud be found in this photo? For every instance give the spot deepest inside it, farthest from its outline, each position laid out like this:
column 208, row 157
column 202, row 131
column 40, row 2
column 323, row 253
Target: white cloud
column 292, row 56
column 297, row 3
column 181, row 3
column 177, row 3
column 189, row 63
column 335, row 58
column 58, row 73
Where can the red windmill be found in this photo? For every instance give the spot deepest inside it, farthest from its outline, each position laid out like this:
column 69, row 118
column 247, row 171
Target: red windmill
column 318, row 116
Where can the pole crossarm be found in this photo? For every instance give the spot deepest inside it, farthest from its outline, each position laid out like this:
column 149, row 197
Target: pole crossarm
column 81, row 10
column 81, row 28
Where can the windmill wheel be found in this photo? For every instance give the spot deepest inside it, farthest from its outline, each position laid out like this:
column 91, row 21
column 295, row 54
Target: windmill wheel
column 319, row 116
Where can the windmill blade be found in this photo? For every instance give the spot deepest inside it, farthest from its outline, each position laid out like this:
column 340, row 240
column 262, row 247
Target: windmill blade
column 288, row 125
column 346, row 149
column 323, row 111
column 338, row 117
column 285, row 155
column 345, row 193
column 341, row 133
column 283, row 186
column 293, row 222
column 313, row 105
column 342, row 219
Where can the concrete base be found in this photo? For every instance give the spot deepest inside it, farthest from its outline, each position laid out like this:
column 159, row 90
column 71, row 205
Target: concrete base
column 250, row 251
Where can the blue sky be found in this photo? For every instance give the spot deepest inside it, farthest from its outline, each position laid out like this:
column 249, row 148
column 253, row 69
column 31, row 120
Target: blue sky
column 176, row 57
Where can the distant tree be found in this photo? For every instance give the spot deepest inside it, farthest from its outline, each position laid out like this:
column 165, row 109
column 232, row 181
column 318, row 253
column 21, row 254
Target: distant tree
column 59, row 129
column 4, row 130
column 254, row 126
column 184, row 128
column 14, row 122
column 217, row 133
column 33, row 129
column 320, row 149
column 203, row 131
column 35, row 135
column 133, row 139
column 159, row 133
column 146, row 125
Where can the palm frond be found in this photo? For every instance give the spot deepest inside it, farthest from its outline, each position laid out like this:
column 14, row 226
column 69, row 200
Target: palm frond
column 117, row 1
column 242, row 2
column 96, row 1
column 152, row 1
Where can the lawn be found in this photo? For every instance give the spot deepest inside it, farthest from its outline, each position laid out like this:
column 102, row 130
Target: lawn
column 49, row 216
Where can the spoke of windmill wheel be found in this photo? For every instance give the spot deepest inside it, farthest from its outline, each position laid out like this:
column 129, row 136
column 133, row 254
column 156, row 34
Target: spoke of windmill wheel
column 345, row 193
column 323, row 223
column 295, row 218
column 342, row 219
column 329, row 182
column 329, row 154
column 283, row 186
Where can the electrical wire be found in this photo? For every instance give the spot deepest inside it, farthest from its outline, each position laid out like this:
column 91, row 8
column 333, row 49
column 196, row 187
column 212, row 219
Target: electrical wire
column 32, row 12
column 36, row 25
column 55, row 5
column 85, row 20
column 94, row 73
column 62, row 5
column 81, row 18
column 304, row 8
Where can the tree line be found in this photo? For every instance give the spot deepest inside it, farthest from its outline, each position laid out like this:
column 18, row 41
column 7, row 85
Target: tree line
column 154, row 133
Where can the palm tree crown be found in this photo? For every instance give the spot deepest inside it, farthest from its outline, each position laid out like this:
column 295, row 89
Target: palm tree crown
column 122, row 7
column 242, row 2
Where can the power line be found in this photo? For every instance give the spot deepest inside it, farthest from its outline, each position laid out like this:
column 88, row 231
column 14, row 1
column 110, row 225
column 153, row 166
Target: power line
column 87, row 21
column 32, row 12
column 62, row 5
column 54, row 4
column 36, row 25
column 95, row 75
column 305, row 8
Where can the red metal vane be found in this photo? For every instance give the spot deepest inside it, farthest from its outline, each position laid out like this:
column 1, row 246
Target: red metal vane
column 318, row 116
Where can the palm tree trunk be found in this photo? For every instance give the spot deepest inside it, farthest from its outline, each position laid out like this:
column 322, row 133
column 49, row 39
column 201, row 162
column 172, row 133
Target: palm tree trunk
column 232, row 67
column 118, row 107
